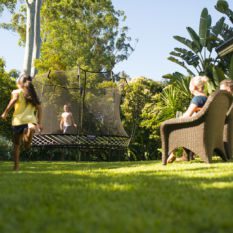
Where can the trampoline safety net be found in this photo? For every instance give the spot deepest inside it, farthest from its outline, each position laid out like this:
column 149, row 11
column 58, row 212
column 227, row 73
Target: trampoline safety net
column 94, row 101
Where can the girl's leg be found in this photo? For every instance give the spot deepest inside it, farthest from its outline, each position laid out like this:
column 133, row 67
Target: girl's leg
column 16, row 151
column 28, row 134
column 171, row 157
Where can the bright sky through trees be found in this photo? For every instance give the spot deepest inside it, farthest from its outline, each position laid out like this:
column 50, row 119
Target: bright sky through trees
column 152, row 22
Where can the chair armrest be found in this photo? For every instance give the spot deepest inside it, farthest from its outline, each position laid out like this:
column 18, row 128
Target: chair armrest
column 185, row 120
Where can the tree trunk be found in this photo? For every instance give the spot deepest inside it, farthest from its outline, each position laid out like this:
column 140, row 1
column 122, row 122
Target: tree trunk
column 37, row 38
column 29, row 36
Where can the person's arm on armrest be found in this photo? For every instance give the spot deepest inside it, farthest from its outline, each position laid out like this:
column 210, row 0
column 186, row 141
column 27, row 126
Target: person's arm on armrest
column 191, row 109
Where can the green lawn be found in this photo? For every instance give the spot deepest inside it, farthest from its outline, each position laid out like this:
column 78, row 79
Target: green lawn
column 67, row 197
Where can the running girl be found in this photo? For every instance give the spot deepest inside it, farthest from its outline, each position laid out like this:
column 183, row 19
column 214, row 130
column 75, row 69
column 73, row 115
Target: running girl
column 27, row 115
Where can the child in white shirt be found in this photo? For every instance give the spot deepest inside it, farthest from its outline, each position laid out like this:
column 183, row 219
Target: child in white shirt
column 67, row 123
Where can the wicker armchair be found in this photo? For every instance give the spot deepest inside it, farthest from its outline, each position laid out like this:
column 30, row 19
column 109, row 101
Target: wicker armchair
column 228, row 133
column 202, row 134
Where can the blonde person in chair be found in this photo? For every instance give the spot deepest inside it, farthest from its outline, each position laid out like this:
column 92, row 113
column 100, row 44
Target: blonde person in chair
column 67, row 123
column 196, row 87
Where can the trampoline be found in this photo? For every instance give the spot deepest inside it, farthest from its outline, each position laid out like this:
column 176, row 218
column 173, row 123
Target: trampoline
column 94, row 100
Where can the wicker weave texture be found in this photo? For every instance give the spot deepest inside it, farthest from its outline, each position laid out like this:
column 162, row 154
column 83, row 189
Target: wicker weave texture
column 203, row 133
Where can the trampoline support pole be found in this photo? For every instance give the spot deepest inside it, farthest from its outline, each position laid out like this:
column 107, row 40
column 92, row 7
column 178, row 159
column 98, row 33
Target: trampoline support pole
column 83, row 101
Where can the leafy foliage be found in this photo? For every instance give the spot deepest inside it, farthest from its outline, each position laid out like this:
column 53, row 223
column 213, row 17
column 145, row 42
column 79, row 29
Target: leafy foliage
column 6, row 86
column 84, row 32
column 18, row 24
column 91, row 33
column 138, row 93
column 223, row 7
column 197, row 57
column 175, row 97
column 9, row 4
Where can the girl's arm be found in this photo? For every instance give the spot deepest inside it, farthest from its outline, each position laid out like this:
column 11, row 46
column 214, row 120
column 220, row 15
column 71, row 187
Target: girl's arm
column 39, row 116
column 191, row 109
column 15, row 97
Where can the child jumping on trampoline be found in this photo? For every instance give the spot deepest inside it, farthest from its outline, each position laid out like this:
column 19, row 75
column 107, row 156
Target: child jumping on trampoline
column 67, row 123
column 26, row 116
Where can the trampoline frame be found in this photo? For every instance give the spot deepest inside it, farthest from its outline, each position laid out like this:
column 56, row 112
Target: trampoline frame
column 80, row 141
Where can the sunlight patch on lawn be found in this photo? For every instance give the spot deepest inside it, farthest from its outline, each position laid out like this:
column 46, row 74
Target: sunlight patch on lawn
column 114, row 187
column 217, row 185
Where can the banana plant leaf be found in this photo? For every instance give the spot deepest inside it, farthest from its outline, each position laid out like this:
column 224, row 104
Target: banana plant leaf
column 227, row 32
column 204, row 27
column 222, row 6
column 195, row 38
column 188, row 56
column 218, row 27
column 187, row 43
column 213, row 42
column 173, row 59
column 231, row 68
column 218, row 76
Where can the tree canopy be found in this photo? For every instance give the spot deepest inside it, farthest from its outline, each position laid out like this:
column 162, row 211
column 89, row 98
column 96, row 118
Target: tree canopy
column 90, row 33
column 9, row 4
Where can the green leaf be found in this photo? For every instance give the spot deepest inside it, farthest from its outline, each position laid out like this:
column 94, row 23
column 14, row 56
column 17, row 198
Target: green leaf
column 173, row 59
column 195, row 38
column 218, row 27
column 187, row 43
column 173, row 77
column 189, row 57
column 231, row 68
column 222, row 6
column 218, row 76
column 205, row 20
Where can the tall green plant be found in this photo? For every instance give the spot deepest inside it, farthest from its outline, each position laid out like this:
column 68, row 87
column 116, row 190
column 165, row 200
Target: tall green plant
column 223, row 7
column 138, row 93
column 174, row 97
column 198, row 57
column 6, row 86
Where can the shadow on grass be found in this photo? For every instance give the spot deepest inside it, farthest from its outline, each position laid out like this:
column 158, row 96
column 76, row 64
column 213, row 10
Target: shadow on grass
column 54, row 166
column 116, row 197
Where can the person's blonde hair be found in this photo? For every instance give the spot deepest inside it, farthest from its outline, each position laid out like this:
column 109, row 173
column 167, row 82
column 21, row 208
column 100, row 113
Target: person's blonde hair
column 198, row 82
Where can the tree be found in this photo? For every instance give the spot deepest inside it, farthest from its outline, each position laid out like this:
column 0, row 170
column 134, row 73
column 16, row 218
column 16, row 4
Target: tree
column 28, row 28
column 174, row 97
column 33, row 40
column 6, row 86
column 85, row 32
column 9, row 4
column 82, row 32
column 197, row 57
column 138, row 93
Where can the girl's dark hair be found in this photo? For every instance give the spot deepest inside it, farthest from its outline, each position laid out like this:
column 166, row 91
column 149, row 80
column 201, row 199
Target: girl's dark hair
column 30, row 93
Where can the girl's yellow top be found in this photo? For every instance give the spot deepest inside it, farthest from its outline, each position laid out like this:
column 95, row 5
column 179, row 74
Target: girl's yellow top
column 24, row 113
